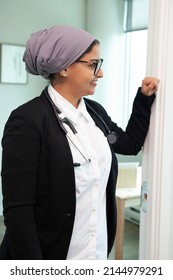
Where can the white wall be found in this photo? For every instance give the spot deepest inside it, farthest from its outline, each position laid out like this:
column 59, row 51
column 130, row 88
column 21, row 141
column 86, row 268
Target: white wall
column 20, row 18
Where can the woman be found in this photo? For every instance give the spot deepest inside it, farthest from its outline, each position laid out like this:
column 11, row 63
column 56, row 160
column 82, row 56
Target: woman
column 59, row 167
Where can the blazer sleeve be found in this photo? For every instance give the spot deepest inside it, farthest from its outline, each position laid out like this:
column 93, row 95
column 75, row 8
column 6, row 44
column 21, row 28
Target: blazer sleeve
column 21, row 146
column 130, row 141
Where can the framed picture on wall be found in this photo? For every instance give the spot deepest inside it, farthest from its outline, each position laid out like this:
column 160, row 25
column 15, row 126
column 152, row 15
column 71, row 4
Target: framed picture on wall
column 12, row 67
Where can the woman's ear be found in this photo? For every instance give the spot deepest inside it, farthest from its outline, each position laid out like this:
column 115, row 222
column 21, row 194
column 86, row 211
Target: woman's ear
column 63, row 73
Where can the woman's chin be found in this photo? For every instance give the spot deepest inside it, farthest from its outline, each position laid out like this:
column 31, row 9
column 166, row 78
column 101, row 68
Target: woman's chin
column 91, row 92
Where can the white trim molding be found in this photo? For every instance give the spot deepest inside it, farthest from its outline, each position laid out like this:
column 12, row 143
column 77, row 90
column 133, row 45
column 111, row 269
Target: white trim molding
column 156, row 225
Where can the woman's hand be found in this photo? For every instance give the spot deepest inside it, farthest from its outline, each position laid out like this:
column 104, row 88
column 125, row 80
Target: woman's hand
column 149, row 85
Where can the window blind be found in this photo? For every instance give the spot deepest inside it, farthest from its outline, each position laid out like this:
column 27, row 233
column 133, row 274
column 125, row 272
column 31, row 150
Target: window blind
column 135, row 15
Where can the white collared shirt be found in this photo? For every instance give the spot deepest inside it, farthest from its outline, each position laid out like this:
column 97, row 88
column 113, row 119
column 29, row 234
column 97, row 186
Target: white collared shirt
column 89, row 237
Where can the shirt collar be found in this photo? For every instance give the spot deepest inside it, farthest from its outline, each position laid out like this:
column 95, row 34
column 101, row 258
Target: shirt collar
column 83, row 110
column 67, row 108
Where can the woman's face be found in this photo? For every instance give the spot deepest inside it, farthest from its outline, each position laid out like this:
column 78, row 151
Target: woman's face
column 80, row 75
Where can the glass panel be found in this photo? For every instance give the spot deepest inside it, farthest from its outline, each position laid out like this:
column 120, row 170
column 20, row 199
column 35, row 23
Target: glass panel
column 136, row 54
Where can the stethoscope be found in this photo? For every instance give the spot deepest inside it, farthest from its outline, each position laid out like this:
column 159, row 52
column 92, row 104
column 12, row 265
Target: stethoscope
column 111, row 135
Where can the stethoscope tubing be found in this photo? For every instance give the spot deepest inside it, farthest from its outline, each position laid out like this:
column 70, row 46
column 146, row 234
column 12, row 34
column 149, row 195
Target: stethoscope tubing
column 111, row 136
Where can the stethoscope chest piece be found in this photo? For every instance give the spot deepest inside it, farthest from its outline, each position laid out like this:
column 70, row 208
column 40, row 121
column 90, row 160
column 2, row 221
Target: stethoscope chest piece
column 112, row 137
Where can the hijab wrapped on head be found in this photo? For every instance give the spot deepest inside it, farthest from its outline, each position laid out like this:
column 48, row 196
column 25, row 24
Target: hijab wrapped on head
column 52, row 50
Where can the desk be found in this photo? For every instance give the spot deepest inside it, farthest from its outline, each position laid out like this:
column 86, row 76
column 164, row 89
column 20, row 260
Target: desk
column 125, row 197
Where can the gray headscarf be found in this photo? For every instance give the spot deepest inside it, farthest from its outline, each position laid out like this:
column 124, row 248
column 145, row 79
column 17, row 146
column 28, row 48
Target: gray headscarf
column 52, row 50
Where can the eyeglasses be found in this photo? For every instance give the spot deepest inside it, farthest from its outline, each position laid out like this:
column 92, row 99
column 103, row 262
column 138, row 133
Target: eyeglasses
column 96, row 64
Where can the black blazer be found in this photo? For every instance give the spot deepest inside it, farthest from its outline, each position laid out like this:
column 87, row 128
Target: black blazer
column 38, row 181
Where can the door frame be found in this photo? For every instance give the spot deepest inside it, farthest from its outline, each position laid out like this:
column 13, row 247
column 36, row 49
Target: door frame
column 156, row 226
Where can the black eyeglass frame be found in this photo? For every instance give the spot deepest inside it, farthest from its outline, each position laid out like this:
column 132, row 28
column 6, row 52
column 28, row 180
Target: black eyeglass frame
column 98, row 64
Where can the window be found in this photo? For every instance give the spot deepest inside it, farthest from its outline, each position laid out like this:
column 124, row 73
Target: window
column 135, row 70
column 135, row 26
column 135, row 15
